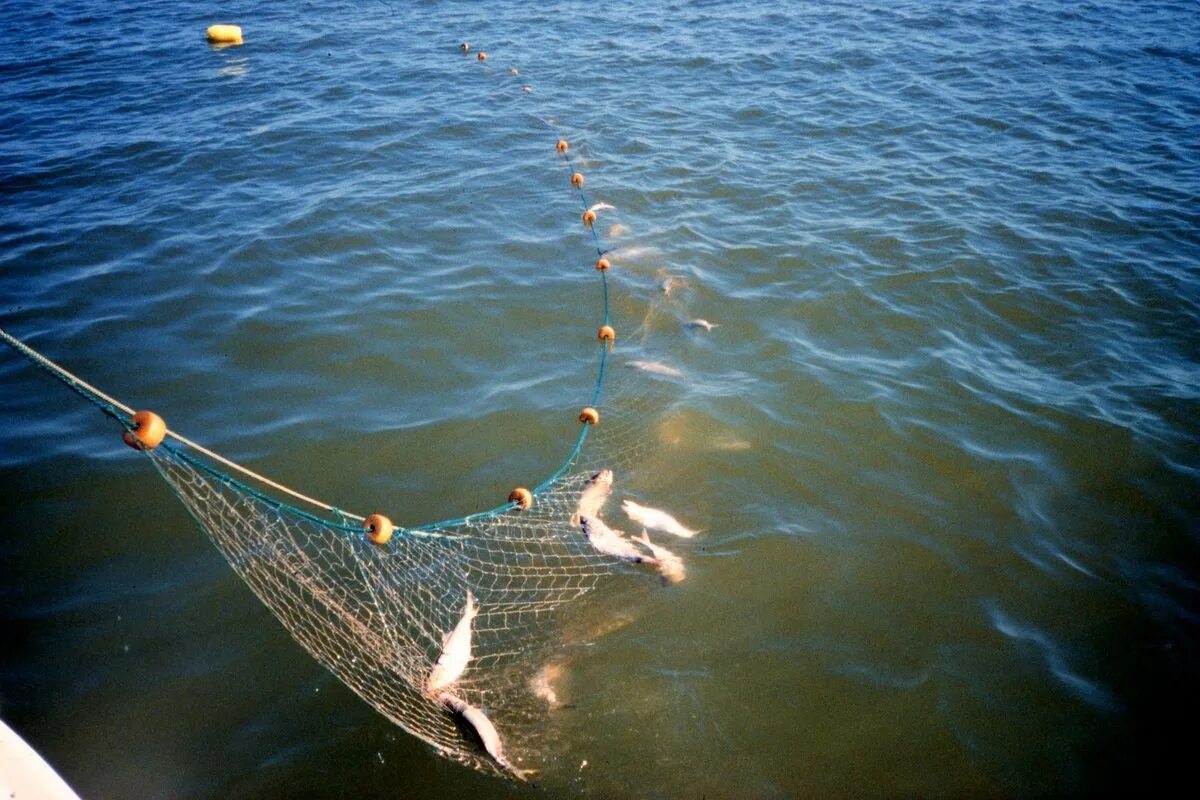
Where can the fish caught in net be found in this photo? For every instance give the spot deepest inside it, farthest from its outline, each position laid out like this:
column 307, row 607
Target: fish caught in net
column 380, row 611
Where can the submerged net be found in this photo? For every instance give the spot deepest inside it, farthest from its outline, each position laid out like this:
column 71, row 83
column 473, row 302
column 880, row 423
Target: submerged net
column 376, row 615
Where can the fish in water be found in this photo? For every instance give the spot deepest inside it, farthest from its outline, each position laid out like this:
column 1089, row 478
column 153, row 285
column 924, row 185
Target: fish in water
column 656, row 520
column 456, row 651
column 593, row 496
column 670, row 566
column 655, row 367
column 542, row 683
column 703, row 323
column 608, row 542
column 485, row 729
column 602, row 207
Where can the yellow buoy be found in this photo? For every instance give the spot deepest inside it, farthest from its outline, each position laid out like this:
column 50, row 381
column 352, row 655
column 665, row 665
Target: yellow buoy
column 602, row 264
column 522, row 497
column 589, row 416
column 225, row 34
column 561, row 145
column 577, row 179
column 482, row 56
column 589, row 217
column 378, row 528
column 148, row 431
column 607, row 334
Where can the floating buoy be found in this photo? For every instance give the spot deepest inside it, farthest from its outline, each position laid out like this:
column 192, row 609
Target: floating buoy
column 482, row 56
column 465, row 47
column 602, row 264
column 589, row 416
column 378, row 528
column 589, row 217
column 561, row 145
column 607, row 334
column 527, row 89
column 225, row 34
column 148, row 431
column 577, row 179
column 522, row 497
column 513, row 71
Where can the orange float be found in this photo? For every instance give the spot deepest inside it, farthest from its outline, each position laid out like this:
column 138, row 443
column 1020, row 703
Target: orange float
column 607, row 334
column 148, row 431
column 602, row 264
column 589, row 416
column 589, row 217
column 561, row 145
column 522, row 497
column 378, row 528
column 577, row 180
column 482, row 56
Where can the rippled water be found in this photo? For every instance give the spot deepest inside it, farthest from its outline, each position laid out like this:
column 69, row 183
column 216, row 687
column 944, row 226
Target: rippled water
column 943, row 443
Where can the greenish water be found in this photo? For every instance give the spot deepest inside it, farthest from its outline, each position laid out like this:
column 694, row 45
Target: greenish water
column 942, row 445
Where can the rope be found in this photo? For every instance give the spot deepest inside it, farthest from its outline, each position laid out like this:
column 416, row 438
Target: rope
column 93, row 394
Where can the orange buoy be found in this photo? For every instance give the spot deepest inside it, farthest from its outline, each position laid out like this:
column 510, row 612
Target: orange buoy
column 466, row 47
column 607, row 334
column 224, row 34
column 148, row 431
column 522, row 497
column 589, row 217
column 378, row 528
column 561, row 145
column 482, row 56
column 602, row 264
column 589, row 416
column 577, row 179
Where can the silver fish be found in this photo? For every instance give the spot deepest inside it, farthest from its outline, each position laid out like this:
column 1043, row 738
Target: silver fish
column 670, row 566
column 655, row 367
column 593, row 496
column 456, row 651
column 703, row 323
column 656, row 520
column 609, row 542
column 486, row 730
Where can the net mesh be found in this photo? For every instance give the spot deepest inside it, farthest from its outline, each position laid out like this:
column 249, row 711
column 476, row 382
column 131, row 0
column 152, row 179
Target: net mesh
column 377, row 615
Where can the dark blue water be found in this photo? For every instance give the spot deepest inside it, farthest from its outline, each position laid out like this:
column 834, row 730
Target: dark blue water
column 943, row 444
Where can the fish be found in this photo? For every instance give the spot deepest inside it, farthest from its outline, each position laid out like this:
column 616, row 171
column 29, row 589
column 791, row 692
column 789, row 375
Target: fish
column 602, row 207
column 542, row 683
column 655, row 367
column 670, row 566
column 456, row 651
column 608, row 542
column 593, row 496
column 703, row 323
column 656, row 520
column 485, row 729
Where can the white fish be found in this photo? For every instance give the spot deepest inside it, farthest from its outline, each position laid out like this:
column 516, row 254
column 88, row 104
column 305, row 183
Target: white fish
column 456, row 651
column 703, row 323
column 656, row 367
column 593, row 496
column 542, row 683
column 656, row 520
column 602, row 207
column 670, row 566
column 486, row 730
column 609, row 542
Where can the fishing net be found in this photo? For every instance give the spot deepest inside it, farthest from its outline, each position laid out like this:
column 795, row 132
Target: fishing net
column 375, row 615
